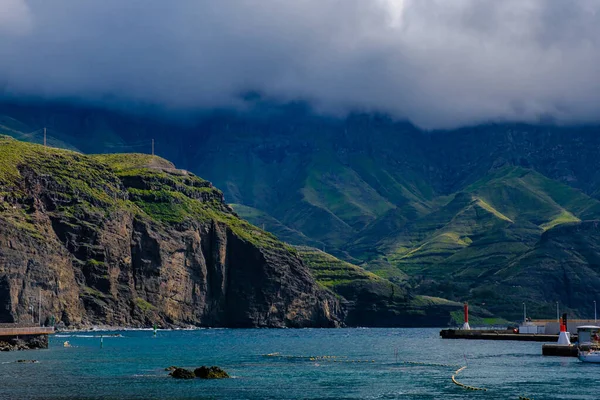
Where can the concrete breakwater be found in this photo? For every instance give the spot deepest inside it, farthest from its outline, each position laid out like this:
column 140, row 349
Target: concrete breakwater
column 24, row 336
column 564, row 350
column 499, row 335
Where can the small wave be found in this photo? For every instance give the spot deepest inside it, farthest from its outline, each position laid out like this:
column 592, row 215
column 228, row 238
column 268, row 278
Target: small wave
column 89, row 336
column 98, row 329
column 79, row 336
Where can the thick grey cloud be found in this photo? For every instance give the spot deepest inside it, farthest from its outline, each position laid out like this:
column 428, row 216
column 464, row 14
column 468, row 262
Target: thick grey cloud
column 439, row 63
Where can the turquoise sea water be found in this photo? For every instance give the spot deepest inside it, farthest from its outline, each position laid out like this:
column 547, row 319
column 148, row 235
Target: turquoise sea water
column 132, row 367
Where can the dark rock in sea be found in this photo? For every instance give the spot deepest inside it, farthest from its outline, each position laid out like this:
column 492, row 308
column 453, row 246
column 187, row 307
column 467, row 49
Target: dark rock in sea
column 182, row 373
column 37, row 342
column 171, row 368
column 28, row 361
column 5, row 346
column 210, row 373
column 14, row 343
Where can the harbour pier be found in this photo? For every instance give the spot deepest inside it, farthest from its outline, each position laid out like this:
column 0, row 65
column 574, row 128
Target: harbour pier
column 24, row 336
column 559, row 342
column 497, row 334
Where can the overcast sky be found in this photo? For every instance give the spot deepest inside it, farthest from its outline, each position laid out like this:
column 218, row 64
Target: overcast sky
column 438, row 63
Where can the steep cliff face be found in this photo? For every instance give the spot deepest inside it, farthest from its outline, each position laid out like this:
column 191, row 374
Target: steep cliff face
column 130, row 240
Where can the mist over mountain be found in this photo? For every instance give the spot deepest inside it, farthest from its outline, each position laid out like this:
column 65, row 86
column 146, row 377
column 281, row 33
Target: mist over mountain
column 439, row 64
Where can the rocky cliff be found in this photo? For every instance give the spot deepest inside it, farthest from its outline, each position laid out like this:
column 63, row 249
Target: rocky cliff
column 129, row 240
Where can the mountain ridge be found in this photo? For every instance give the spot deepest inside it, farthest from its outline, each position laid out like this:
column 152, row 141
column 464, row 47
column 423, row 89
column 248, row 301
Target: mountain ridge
column 352, row 186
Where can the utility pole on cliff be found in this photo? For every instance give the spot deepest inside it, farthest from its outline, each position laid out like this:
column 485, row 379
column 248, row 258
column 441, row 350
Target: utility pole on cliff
column 152, row 146
column 40, row 306
column 44, row 136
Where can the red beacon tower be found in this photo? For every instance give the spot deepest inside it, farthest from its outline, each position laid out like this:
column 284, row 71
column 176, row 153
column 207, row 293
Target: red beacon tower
column 564, row 337
column 466, row 326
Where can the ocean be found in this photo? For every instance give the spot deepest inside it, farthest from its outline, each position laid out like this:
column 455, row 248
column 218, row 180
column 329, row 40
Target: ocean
column 309, row 364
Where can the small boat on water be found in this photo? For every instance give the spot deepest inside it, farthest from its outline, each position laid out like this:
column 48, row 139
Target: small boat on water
column 589, row 336
column 592, row 356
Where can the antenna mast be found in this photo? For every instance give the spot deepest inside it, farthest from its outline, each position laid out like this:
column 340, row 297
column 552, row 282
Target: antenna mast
column 44, row 136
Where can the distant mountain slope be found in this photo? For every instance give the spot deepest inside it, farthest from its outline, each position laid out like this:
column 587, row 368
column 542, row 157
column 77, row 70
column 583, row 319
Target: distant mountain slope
column 270, row 224
column 500, row 216
column 21, row 131
column 373, row 301
column 564, row 264
column 495, row 223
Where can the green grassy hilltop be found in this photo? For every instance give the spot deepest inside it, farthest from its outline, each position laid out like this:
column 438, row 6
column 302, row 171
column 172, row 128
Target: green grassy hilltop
column 155, row 188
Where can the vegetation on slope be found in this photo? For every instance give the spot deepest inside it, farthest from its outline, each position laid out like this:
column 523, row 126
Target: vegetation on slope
column 374, row 301
column 335, row 274
column 261, row 219
column 563, row 265
column 79, row 183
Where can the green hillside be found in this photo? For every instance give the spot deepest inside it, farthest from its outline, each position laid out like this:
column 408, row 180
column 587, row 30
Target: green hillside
column 156, row 189
column 130, row 240
column 564, row 264
column 268, row 223
column 457, row 250
column 497, row 217
column 375, row 301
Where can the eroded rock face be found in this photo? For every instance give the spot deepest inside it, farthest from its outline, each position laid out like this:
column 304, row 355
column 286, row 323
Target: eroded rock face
column 104, row 256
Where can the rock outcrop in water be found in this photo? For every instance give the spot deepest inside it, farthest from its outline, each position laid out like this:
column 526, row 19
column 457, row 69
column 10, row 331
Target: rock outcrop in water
column 182, row 373
column 14, row 343
column 128, row 240
column 210, row 373
column 202, row 373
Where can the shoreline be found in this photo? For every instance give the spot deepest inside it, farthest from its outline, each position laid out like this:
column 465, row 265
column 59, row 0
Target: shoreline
column 132, row 329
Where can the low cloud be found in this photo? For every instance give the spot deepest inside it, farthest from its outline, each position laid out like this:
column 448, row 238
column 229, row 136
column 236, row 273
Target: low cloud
column 438, row 63
column 15, row 18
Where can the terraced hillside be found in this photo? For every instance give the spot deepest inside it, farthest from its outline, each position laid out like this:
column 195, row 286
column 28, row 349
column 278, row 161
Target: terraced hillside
column 373, row 301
